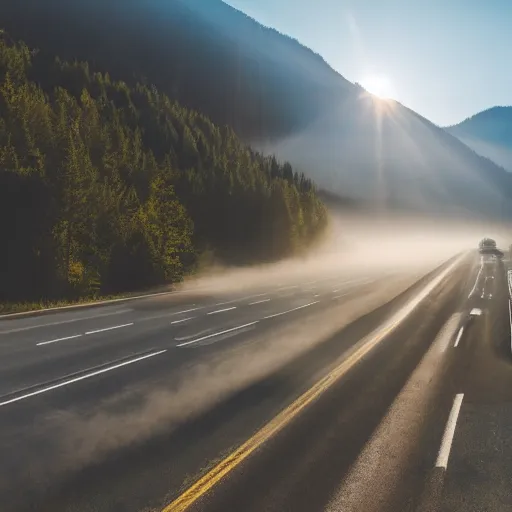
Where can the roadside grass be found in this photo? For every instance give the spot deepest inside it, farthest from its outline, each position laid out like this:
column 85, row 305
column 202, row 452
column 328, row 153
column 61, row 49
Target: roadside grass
column 7, row 308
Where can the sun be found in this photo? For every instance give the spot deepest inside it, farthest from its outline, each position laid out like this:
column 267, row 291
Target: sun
column 379, row 85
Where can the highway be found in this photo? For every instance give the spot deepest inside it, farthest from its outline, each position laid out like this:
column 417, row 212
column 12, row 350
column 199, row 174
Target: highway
column 371, row 391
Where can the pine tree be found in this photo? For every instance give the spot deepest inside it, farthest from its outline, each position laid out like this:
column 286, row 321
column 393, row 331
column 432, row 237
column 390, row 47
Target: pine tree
column 117, row 187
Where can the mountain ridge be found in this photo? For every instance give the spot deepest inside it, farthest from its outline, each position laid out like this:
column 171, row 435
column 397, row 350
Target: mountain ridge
column 276, row 94
column 133, row 39
column 487, row 113
column 489, row 133
column 416, row 163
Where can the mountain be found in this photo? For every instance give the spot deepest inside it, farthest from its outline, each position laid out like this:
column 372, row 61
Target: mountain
column 389, row 156
column 205, row 54
column 276, row 94
column 489, row 133
column 106, row 187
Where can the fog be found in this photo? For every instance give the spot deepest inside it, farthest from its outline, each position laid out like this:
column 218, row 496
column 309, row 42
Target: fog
column 384, row 153
column 500, row 154
column 85, row 436
column 358, row 243
column 355, row 246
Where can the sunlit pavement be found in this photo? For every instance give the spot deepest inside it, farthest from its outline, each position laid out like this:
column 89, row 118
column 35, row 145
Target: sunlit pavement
column 126, row 406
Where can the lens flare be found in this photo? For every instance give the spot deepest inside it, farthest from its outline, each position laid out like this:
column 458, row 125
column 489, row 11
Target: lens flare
column 379, row 85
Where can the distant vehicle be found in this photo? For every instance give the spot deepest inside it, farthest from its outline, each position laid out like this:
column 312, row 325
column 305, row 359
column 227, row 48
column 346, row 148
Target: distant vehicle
column 488, row 246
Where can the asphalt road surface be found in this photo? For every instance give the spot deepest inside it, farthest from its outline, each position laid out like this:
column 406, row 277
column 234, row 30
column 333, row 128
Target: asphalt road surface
column 367, row 392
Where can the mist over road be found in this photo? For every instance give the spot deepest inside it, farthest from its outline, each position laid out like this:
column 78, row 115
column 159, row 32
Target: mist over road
column 123, row 406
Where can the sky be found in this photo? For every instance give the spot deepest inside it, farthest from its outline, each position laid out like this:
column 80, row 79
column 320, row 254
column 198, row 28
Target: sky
column 445, row 59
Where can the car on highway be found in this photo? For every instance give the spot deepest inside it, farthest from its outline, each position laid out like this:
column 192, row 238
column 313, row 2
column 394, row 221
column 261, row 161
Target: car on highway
column 487, row 246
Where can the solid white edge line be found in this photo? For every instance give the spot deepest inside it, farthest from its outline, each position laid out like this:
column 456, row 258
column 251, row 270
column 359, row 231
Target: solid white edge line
column 217, row 334
column 258, row 302
column 82, row 377
column 109, row 301
column 221, row 310
column 109, row 328
column 290, row 310
column 182, row 320
column 89, row 304
column 459, row 336
column 59, row 339
column 449, row 432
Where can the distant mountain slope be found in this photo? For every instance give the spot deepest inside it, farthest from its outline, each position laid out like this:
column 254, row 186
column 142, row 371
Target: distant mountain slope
column 384, row 152
column 275, row 93
column 489, row 133
column 205, row 54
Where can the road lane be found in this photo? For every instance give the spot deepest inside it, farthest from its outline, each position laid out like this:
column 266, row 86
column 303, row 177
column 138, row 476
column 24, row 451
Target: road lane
column 479, row 471
column 45, row 354
column 13, row 332
column 130, row 436
column 71, row 379
column 167, row 302
column 42, row 366
column 301, row 468
column 480, row 358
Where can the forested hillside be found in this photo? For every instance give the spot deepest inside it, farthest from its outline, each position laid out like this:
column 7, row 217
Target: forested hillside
column 277, row 95
column 106, row 187
column 203, row 53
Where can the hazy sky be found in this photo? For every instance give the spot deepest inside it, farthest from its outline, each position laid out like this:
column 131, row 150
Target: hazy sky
column 446, row 59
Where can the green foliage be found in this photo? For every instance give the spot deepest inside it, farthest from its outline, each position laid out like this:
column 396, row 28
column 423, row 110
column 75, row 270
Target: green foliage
column 106, row 188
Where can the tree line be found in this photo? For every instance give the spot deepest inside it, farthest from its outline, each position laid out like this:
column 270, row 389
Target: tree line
column 106, row 187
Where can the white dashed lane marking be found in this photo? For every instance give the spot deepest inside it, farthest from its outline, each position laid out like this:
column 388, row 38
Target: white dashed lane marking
column 459, row 336
column 109, row 328
column 449, row 432
column 221, row 310
column 290, row 310
column 217, row 334
column 182, row 320
column 59, row 339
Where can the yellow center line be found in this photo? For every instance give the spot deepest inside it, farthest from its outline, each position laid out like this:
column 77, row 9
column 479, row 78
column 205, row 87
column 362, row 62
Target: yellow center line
column 210, row 479
column 270, row 429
